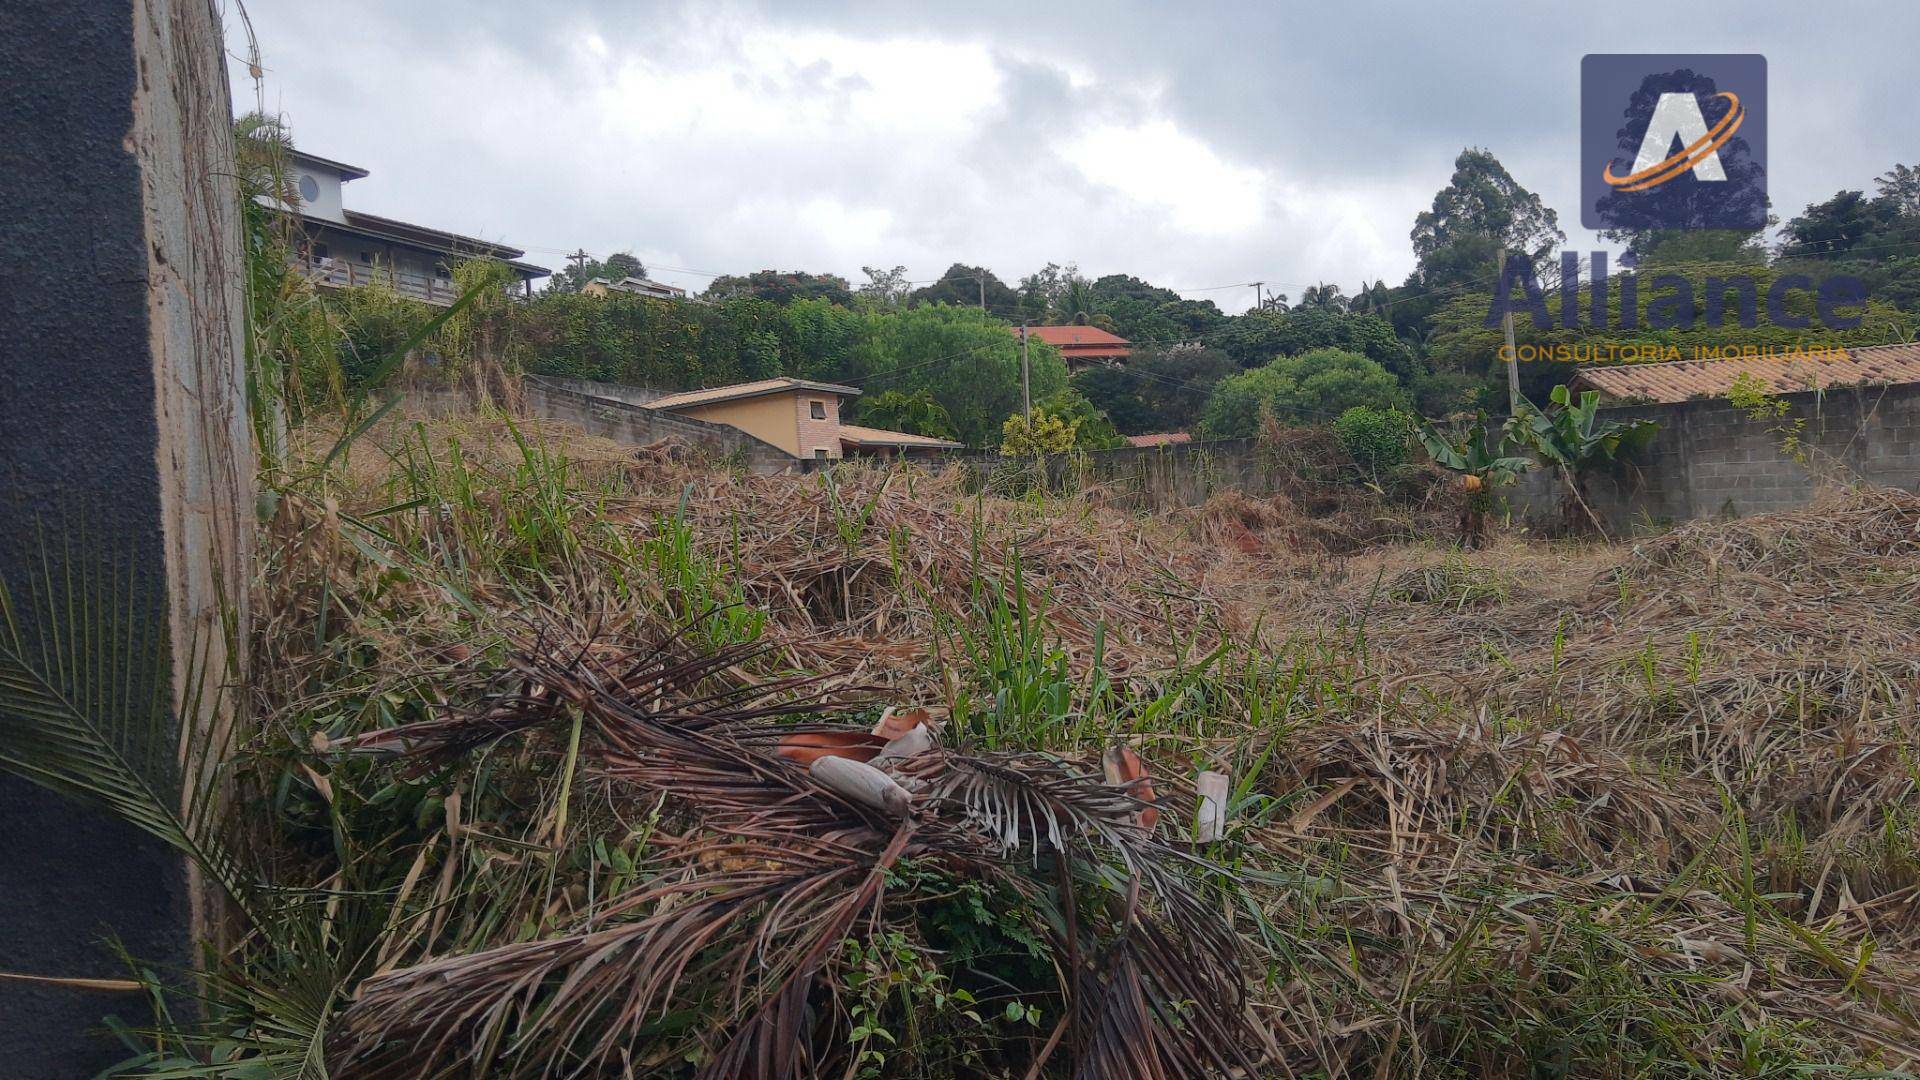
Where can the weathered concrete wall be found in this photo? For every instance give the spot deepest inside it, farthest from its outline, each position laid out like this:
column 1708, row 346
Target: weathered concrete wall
column 123, row 432
column 1710, row 459
column 632, row 395
column 597, row 408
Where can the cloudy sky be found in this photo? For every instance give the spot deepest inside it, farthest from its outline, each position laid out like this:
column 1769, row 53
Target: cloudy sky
column 1197, row 145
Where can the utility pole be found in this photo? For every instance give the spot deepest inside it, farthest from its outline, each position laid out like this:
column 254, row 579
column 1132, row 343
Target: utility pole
column 579, row 261
column 1256, row 294
column 981, row 279
column 1026, row 379
column 1513, row 358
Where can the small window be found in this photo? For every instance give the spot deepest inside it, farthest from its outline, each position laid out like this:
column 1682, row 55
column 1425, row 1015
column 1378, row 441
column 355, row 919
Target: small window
column 820, row 453
column 366, row 256
column 819, row 410
column 320, row 251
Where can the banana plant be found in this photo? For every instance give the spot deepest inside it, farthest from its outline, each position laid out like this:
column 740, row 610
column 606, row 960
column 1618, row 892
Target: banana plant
column 1572, row 437
column 1483, row 467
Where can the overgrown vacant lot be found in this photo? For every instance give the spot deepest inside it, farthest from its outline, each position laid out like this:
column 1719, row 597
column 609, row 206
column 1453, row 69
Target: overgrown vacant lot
column 1546, row 809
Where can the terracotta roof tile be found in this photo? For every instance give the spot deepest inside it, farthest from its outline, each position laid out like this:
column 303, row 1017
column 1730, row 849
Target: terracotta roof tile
column 1163, row 438
column 708, row 396
column 1683, row 380
column 866, row 436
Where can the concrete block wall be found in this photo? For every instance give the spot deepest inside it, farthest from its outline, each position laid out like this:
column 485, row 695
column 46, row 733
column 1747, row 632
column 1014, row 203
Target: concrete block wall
column 1711, row 459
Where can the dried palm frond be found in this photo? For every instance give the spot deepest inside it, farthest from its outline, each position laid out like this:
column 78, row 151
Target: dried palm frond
column 742, row 920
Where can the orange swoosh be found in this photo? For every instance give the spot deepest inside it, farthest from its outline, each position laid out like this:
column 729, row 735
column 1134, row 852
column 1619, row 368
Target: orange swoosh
column 1660, row 172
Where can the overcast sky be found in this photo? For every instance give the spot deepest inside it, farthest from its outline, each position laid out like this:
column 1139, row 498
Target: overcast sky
column 1196, row 145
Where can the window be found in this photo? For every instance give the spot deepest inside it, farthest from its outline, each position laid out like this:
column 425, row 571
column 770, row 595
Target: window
column 820, row 453
column 366, row 256
column 819, row 411
column 309, row 189
column 320, row 251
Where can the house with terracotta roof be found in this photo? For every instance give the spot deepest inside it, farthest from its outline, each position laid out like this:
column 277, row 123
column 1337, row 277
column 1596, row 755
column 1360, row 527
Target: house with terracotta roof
column 1686, row 380
column 342, row 248
column 1082, row 346
column 799, row 417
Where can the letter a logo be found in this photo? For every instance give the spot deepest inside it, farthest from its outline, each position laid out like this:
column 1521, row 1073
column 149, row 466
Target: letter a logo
column 1673, row 141
column 1678, row 116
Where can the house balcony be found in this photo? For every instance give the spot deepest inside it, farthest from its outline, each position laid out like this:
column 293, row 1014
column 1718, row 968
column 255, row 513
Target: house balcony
column 340, row 274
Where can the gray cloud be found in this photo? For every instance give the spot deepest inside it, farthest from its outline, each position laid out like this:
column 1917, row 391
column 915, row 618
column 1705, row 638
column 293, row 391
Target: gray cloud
column 1197, row 145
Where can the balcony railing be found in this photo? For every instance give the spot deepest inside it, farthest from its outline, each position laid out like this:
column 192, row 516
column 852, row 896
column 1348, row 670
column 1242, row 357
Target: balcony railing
column 344, row 275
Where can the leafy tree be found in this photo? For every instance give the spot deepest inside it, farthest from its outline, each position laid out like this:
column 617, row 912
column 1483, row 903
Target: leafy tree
column 1831, row 229
column 1161, row 388
column 916, row 413
column 1314, row 387
column 884, row 288
column 1115, row 391
column 961, row 286
column 781, row 287
column 965, row 359
column 1900, row 186
column 1037, row 434
column 574, row 276
column 1078, row 306
column 1480, row 209
column 1092, row 430
column 1147, row 314
column 1260, row 336
column 1679, row 247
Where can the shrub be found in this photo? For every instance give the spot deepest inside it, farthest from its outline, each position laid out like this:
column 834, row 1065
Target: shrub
column 1377, row 438
column 1040, row 433
column 1312, row 387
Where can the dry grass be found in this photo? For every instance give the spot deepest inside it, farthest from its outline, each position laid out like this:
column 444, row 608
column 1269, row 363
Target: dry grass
column 1550, row 809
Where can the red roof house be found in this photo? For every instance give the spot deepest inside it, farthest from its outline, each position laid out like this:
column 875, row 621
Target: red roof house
column 1082, row 346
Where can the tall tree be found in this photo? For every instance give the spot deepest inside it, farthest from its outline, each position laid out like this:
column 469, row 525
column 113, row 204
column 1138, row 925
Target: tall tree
column 574, row 276
column 781, row 287
column 1480, row 209
column 884, row 288
column 1323, row 297
column 962, row 286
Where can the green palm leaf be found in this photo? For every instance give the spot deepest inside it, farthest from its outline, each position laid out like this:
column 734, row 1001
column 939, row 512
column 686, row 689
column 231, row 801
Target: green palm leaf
column 85, row 700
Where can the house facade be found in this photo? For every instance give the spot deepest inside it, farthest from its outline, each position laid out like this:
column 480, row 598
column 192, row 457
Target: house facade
column 799, row 417
column 637, row 286
column 343, row 248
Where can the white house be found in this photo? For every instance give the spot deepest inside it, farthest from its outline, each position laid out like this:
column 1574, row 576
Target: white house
column 638, row 286
column 350, row 247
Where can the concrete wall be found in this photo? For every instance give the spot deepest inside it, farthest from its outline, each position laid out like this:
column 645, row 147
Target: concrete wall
column 586, row 404
column 123, row 434
column 1710, row 459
